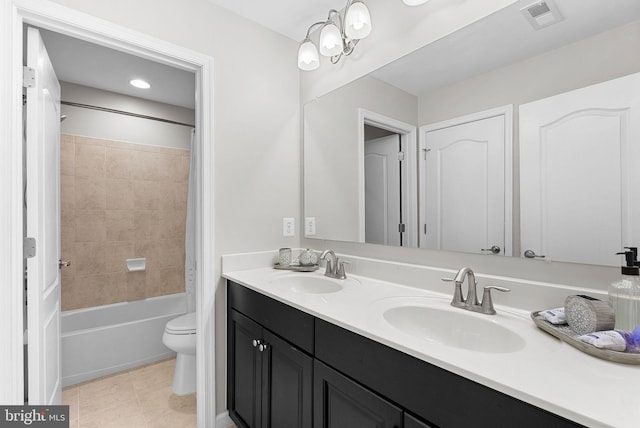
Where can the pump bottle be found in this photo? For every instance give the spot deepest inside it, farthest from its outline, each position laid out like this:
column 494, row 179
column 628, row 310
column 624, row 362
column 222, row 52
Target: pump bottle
column 624, row 295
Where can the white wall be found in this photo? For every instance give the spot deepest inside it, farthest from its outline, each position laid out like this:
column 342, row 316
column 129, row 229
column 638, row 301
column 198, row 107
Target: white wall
column 256, row 124
column 330, row 157
column 117, row 127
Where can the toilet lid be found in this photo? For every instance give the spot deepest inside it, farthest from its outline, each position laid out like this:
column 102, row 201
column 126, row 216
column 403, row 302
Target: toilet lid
column 185, row 324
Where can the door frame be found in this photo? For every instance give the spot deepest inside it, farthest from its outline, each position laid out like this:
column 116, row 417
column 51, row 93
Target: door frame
column 507, row 112
column 408, row 140
column 55, row 17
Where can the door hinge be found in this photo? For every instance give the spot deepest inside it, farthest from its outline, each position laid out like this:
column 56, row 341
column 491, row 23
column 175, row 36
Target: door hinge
column 401, row 228
column 425, row 153
column 400, row 156
column 425, row 228
column 29, row 247
column 28, row 77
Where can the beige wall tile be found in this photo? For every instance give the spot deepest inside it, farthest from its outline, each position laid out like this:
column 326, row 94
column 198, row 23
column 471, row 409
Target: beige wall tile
column 136, row 285
column 174, row 196
column 121, row 200
column 90, row 193
column 147, row 225
column 119, row 194
column 90, row 258
column 171, row 253
column 67, row 156
column 85, row 292
column 120, row 225
column 117, row 253
column 90, row 226
column 67, row 192
column 90, row 160
column 146, row 165
column 146, row 195
column 119, row 163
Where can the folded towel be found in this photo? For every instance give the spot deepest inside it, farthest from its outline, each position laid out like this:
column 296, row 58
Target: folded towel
column 554, row 316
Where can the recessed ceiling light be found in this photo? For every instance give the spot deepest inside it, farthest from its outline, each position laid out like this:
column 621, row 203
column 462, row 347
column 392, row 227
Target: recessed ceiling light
column 414, row 2
column 139, row 83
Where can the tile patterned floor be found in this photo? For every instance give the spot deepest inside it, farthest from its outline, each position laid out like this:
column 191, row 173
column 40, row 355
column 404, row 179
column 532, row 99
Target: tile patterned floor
column 138, row 398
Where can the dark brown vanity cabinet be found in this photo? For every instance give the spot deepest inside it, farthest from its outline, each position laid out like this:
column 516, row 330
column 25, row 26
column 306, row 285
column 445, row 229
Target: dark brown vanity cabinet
column 288, row 369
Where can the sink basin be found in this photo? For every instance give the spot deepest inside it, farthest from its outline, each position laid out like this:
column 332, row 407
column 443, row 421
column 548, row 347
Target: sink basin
column 454, row 327
column 310, row 284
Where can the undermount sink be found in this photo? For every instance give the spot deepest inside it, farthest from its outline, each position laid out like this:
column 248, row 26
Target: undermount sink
column 310, row 283
column 453, row 327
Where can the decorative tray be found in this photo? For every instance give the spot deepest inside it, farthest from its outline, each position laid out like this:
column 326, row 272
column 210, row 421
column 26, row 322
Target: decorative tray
column 566, row 334
column 296, row 267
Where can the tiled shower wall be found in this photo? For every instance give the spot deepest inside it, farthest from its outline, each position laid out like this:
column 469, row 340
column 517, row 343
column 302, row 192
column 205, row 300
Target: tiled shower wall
column 120, row 201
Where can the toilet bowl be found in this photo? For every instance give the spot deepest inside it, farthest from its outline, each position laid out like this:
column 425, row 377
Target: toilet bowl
column 180, row 336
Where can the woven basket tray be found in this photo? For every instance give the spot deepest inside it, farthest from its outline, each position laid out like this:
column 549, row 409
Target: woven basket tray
column 564, row 333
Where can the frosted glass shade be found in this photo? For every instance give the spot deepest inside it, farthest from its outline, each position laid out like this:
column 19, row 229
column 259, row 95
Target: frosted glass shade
column 330, row 40
column 414, row 2
column 308, row 56
column 357, row 21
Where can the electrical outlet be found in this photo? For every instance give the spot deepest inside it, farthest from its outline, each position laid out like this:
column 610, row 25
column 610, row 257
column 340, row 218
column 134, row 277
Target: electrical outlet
column 288, row 226
column 309, row 226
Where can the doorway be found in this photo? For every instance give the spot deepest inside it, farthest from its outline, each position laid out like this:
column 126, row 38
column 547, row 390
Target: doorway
column 388, row 188
column 59, row 18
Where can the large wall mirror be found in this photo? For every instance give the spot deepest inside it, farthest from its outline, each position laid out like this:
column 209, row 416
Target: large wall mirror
column 453, row 147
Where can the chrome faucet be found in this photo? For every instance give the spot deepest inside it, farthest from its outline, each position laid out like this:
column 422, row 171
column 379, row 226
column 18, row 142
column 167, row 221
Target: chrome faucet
column 471, row 302
column 334, row 266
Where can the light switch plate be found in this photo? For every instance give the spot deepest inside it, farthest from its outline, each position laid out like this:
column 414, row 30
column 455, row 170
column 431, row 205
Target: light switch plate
column 309, row 226
column 288, row 226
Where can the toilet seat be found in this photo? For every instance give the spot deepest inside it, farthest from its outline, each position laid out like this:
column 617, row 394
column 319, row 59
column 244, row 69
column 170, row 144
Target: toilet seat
column 185, row 324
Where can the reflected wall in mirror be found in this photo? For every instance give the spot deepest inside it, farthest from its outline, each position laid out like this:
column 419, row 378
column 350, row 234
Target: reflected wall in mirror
column 496, row 62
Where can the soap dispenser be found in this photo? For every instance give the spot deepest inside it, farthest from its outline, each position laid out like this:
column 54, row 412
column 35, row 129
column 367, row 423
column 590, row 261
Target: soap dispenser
column 624, row 295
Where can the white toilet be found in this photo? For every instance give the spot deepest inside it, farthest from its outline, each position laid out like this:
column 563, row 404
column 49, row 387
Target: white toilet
column 180, row 336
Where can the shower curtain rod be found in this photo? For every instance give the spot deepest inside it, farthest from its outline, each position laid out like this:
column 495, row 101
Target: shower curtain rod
column 126, row 113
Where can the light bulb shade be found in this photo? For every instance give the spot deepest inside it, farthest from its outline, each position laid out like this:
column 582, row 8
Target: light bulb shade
column 308, row 56
column 357, row 22
column 414, row 2
column 330, row 40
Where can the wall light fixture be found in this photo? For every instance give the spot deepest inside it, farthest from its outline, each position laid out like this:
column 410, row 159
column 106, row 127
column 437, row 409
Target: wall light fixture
column 338, row 37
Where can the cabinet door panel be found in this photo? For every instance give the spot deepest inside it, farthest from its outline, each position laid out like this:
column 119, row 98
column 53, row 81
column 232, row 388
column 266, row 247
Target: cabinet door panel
column 411, row 422
column 245, row 371
column 287, row 385
column 341, row 403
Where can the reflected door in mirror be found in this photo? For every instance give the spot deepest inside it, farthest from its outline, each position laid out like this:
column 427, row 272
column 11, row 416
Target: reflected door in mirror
column 464, row 195
column 382, row 190
column 583, row 142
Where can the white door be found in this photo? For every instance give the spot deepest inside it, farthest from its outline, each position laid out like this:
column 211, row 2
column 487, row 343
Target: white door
column 580, row 173
column 466, row 183
column 43, row 224
column 382, row 191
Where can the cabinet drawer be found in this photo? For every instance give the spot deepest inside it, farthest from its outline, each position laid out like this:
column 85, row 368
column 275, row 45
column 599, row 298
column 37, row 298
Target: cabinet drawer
column 287, row 322
column 423, row 389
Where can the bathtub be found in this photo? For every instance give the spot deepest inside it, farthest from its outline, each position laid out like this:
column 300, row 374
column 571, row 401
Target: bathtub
column 108, row 339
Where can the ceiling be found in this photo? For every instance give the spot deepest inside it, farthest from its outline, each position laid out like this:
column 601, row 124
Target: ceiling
column 291, row 18
column 88, row 64
column 483, row 45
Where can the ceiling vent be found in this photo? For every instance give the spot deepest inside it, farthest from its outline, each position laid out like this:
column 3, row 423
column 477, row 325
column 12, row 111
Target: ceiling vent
column 542, row 14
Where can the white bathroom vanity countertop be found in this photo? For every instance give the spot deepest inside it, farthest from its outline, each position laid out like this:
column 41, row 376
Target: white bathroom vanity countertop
column 546, row 372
